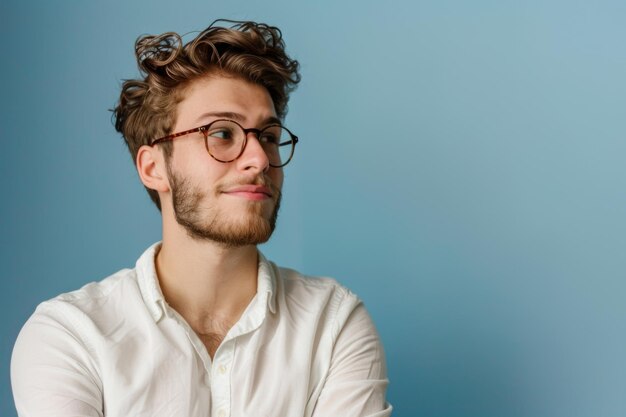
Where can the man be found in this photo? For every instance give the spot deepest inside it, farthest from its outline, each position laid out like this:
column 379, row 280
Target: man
column 204, row 325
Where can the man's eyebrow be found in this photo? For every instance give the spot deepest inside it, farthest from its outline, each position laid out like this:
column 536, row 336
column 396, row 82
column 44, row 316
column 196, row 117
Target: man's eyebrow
column 272, row 120
column 237, row 117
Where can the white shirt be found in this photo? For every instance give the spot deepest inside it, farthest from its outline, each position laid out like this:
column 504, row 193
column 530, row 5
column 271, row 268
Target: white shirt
column 303, row 347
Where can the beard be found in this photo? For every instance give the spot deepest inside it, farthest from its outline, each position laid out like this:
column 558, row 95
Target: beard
column 205, row 221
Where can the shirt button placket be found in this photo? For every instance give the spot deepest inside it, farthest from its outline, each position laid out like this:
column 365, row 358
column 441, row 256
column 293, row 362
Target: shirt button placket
column 221, row 377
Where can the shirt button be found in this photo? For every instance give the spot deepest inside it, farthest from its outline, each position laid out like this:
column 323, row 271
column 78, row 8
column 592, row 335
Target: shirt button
column 221, row 369
column 221, row 413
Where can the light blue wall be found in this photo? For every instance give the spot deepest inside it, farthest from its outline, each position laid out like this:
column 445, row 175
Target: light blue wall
column 462, row 168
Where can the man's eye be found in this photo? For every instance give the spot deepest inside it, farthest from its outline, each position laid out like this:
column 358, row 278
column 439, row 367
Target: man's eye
column 224, row 134
column 269, row 137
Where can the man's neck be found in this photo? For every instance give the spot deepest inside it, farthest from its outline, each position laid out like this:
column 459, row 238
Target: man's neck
column 208, row 284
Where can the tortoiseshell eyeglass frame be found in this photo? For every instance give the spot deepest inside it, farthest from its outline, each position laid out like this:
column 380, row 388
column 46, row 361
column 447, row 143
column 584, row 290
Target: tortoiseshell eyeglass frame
column 204, row 129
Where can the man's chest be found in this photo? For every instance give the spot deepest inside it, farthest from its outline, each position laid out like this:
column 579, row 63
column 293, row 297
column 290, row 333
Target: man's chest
column 267, row 372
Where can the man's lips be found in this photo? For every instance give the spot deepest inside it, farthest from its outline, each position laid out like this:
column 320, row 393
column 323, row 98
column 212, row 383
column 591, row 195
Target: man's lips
column 252, row 192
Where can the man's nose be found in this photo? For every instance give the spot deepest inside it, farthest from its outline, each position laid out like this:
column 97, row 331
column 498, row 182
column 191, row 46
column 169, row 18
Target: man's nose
column 253, row 156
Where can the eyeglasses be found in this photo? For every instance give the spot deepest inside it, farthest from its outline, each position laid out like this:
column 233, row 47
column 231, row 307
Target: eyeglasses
column 225, row 140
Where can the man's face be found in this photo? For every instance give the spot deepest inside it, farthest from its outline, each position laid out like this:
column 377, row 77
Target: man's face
column 234, row 203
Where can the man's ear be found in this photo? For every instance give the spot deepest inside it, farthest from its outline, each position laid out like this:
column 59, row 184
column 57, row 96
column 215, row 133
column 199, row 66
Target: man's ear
column 151, row 168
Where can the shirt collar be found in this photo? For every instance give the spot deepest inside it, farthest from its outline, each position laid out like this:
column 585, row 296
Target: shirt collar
column 266, row 281
column 153, row 297
column 149, row 283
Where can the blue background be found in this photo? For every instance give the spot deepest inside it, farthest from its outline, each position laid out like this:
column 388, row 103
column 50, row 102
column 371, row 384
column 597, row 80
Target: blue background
column 462, row 169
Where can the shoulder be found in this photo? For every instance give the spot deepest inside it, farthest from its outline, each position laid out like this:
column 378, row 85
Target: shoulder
column 95, row 298
column 295, row 284
column 57, row 348
column 319, row 283
column 85, row 313
column 97, row 290
column 77, row 321
column 349, row 352
column 318, row 298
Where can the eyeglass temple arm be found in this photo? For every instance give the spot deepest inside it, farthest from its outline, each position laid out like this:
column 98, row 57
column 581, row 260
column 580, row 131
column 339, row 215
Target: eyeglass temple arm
column 176, row 135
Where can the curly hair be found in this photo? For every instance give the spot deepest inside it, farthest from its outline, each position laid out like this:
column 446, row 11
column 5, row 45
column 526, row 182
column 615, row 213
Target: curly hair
column 147, row 106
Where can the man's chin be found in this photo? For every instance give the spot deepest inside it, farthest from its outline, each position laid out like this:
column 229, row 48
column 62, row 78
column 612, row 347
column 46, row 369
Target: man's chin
column 232, row 238
column 249, row 229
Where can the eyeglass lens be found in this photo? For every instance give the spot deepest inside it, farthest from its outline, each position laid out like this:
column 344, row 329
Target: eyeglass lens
column 225, row 140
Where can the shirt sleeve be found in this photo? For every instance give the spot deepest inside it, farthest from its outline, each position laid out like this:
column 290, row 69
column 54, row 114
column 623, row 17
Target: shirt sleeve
column 357, row 379
column 52, row 372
